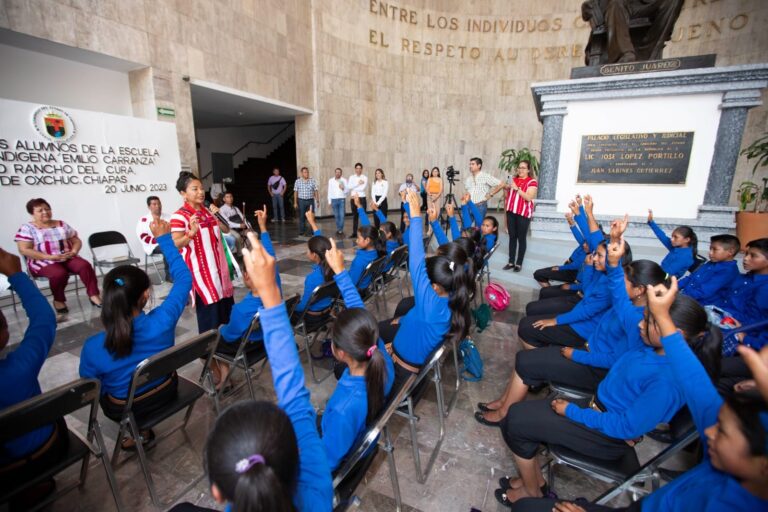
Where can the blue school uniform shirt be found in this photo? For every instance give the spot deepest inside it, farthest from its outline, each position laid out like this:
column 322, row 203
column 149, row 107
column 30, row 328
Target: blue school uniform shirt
column 703, row 488
column 747, row 301
column 362, row 258
column 20, row 368
column 617, row 331
column 578, row 254
column 314, row 488
column 424, row 326
column 343, row 421
column 678, row 260
column 153, row 332
column 585, row 316
column 638, row 393
column 243, row 312
column 710, row 283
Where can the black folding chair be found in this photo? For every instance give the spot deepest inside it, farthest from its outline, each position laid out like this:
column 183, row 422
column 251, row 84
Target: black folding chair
column 372, row 274
column 41, row 279
column 327, row 290
column 49, row 408
column 399, row 259
column 111, row 239
column 626, row 473
column 155, row 368
column 352, row 470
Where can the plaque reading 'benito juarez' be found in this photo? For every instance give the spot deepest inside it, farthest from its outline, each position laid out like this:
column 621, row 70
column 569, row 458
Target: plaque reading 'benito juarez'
column 641, row 158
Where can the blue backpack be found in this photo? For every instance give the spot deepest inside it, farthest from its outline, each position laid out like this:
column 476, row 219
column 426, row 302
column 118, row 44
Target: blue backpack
column 472, row 364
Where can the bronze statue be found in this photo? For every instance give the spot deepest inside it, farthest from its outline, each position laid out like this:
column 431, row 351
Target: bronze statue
column 628, row 30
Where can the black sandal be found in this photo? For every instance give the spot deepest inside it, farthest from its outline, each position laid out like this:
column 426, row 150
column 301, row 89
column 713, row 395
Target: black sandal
column 501, row 497
column 488, row 423
column 129, row 444
column 483, row 407
column 504, row 483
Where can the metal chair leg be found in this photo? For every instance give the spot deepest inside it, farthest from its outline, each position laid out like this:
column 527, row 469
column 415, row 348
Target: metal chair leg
column 390, row 449
column 107, row 466
column 139, row 440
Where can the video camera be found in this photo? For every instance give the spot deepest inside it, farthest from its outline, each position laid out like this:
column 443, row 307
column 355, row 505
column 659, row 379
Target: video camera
column 451, row 174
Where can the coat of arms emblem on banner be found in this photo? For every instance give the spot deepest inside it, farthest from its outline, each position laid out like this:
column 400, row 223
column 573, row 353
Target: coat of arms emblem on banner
column 53, row 123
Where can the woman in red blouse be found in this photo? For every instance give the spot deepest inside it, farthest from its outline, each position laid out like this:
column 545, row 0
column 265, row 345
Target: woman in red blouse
column 519, row 205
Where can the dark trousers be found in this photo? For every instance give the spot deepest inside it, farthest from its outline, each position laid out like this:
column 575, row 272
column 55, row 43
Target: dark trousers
column 562, row 335
column 304, row 206
column 552, row 306
column 544, row 365
column 355, row 219
column 555, row 291
column 518, row 231
column 546, row 274
column 548, row 504
column 533, row 422
column 311, row 321
column 58, row 275
column 733, row 370
column 384, row 207
column 211, row 316
column 143, row 405
column 387, row 331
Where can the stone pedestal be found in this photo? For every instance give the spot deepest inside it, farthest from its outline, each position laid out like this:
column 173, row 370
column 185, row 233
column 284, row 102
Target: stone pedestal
column 710, row 102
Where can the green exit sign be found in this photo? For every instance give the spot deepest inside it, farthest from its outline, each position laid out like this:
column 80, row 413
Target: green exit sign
column 167, row 112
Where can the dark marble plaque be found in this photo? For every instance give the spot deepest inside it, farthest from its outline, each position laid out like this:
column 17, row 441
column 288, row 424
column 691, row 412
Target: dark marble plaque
column 641, row 158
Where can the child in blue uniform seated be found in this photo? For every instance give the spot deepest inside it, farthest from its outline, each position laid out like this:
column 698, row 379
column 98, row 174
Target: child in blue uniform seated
column 566, row 272
column 615, row 335
column 733, row 474
column 682, row 246
column 711, row 281
column 639, row 392
column 442, row 288
column 392, row 235
column 132, row 335
column 321, row 273
column 370, row 246
column 367, row 379
column 23, row 458
column 261, row 456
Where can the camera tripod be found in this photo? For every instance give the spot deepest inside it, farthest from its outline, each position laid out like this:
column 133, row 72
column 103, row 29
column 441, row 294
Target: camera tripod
column 449, row 198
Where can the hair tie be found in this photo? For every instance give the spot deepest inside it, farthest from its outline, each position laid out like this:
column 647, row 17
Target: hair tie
column 451, row 265
column 244, row 465
column 370, row 351
column 666, row 276
column 119, row 281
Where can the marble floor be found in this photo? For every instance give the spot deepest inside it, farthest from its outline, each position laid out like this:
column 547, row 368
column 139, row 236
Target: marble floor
column 472, row 457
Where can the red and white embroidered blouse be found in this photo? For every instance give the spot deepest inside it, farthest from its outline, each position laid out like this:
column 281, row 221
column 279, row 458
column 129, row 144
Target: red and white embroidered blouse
column 515, row 203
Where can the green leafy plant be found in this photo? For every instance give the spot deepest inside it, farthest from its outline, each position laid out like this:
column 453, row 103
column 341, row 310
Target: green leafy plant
column 511, row 157
column 749, row 191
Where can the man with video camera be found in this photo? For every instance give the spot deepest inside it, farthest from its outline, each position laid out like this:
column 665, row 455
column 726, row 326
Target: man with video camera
column 481, row 185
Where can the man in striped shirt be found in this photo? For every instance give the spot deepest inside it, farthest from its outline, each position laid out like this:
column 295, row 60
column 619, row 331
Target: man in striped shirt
column 148, row 242
column 480, row 185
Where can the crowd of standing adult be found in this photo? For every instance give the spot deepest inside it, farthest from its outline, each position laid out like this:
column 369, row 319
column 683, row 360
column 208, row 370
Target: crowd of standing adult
column 519, row 190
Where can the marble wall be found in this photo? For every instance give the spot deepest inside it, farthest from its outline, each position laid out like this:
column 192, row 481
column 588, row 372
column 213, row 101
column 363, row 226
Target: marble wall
column 399, row 85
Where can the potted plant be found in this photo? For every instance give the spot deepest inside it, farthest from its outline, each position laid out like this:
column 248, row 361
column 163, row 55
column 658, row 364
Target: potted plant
column 752, row 223
column 511, row 157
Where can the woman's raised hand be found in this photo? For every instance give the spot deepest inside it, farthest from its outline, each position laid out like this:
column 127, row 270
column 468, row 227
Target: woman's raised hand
column 615, row 252
column 660, row 300
column 260, row 266
column 618, row 227
column 335, row 258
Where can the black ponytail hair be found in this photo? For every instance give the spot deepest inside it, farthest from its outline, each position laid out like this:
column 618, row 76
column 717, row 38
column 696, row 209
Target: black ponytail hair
column 389, row 228
column 688, row 232
column 459, row 283
column 318, row 245
column 704, row 338
column 250, row 428
column 646, row 273
column 379, row 244
column 185, row 177
column 457, row 251
column 356, row 332
column 748, row 411
column 122, row 291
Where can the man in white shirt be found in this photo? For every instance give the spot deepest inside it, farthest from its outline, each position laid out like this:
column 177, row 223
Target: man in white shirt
column 148, row 242
column 481, row 185
column 235, row 221
column 358, row 183
column 337, row 192
column 406, row 187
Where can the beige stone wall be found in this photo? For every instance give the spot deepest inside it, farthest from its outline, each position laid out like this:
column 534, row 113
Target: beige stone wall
column 257, row 46
column 386, row 96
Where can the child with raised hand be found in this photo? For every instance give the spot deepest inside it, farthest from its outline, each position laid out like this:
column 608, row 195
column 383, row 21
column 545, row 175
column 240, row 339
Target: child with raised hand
column 321, row 273
column 393, row 238
column 244, row 311
column 711, row 281
column 261, row 456
column 370, row 246
column 367, row 379
column 682, row 246
column 440, row 308
column 131, row 335
column 569, row 271
column 639, row 392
